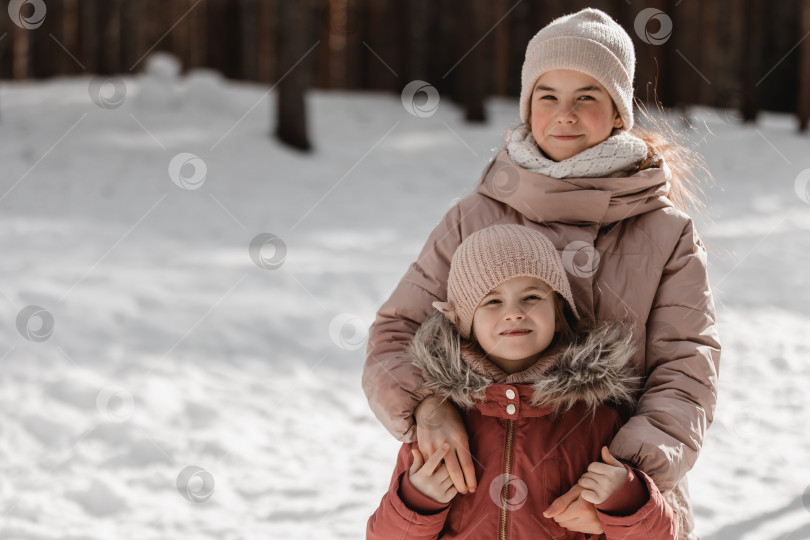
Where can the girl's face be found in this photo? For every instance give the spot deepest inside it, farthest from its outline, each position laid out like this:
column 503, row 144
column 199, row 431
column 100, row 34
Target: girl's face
column 570, row 112
column 515, row 323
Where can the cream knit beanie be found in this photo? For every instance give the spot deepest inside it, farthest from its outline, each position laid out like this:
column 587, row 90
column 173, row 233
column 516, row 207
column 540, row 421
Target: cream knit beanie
column 487, row 258
column 588, row 41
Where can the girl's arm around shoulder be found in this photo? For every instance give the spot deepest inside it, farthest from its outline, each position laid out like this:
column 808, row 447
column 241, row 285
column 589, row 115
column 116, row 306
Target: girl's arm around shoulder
column 664, row 436
column 391, row 382
column 404, row 512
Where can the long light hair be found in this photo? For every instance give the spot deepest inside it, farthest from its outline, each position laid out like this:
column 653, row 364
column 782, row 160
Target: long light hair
column 688, row 167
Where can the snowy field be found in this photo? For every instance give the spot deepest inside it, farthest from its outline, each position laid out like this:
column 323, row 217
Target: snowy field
column 178, row 380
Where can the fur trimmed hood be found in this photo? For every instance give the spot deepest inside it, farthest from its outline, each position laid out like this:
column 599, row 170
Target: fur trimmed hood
column 595, row 368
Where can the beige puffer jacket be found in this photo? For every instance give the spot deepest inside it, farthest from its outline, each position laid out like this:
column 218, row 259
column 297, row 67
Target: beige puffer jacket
column 630, row 254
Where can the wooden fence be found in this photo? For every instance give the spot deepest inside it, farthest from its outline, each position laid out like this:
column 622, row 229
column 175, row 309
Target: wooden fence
column 744, row 55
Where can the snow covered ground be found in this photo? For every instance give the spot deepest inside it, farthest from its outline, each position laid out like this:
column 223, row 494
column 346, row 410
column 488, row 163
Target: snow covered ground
column 191, row 368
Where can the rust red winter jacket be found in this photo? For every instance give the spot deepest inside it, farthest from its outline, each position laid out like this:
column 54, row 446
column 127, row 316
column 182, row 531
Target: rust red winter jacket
column 528, row 449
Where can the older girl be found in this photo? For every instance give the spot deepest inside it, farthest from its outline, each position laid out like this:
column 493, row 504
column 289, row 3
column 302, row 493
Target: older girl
column 612, row 204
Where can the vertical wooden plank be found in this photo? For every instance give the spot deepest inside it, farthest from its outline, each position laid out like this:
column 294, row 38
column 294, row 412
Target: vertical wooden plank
column 472, row 68
column 111, row 53
column 295, row 35
column 221, row 39
column 89, row 34
column 752, row 51
column 178, row 39
column 380, row 49
column 266, row 43
column 726, row 57
column 732, row 53
column 130, row 36
column 144, row 21
column 249, row 39
column 214, row 35
column 418, row 39
column 20, row 52
column 70, row 38
column 331, row 59
column 197, row 33
column 690, row 48
column 803, row 105
column 501, row 49
column 780, row 68
column 353, row 28
column 452, row 29
column 713, row 32
column 6, row 42
column 44, row 55
column 670, row 65
column 402, row 16
column 233, row 61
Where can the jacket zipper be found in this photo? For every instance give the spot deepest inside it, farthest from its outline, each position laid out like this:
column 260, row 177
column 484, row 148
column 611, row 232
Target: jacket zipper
column 510, row 427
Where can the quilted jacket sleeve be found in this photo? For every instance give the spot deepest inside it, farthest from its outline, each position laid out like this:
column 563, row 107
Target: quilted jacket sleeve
column 391, row 382
column 394, row 519
column 677, row 405
column 655, row 520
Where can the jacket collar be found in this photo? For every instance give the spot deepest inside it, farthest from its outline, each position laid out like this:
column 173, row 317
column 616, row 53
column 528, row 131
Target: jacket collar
column 575, row 200
column 480, row 363
column 594, row 368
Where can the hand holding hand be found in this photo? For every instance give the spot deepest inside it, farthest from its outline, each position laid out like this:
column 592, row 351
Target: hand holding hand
column 439, row 422
column 430, row 477
column 574, row 513
column 602, row 479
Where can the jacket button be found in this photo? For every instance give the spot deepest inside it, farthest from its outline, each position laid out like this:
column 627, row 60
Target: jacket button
column 510, row 393
column 510, row 408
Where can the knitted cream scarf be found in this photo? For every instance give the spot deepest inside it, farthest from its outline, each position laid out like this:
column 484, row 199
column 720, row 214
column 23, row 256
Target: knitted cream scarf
column 615, row 156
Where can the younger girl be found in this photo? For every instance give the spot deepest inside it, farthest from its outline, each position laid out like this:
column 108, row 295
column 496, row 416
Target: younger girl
column 505, row 349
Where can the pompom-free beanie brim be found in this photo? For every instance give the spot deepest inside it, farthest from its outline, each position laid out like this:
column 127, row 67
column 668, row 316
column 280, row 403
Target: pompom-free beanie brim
column 493, row 255
column 588, row 41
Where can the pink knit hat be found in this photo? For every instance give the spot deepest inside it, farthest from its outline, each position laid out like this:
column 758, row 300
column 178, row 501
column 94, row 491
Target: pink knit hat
column 588, row 41
column 487, row 258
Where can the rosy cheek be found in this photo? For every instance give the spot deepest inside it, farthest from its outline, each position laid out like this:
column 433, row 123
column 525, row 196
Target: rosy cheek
column 600, row 117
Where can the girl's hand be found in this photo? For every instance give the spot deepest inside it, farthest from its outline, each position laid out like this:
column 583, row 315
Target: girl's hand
column 602, row 479
column 430, row 477
column 574, row 513
column 439, row 422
